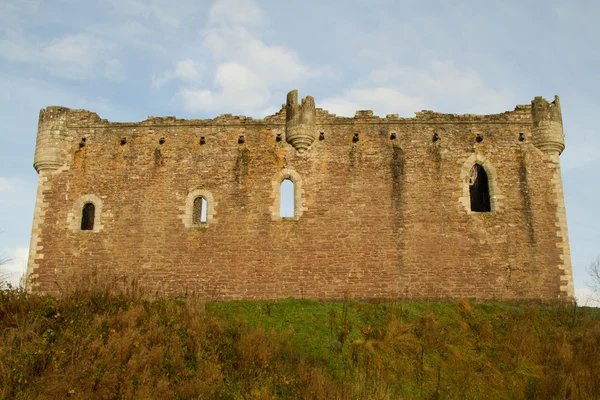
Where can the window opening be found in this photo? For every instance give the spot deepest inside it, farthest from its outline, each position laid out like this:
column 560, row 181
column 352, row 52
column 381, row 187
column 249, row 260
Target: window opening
column 199, row 214
column 286, row 206
column 479, row 189
column 87, row 217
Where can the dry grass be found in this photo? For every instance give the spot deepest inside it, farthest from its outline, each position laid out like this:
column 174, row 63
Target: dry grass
column 103, row 345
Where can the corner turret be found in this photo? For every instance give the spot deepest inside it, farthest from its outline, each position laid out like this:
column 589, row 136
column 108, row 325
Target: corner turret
column 52, row 141
column 547, row 133
column 548, row 136
column 300, row 121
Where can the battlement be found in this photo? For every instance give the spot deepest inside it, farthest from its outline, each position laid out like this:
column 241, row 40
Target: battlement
column 544, row 111
column 85, row 118
column 432, row 206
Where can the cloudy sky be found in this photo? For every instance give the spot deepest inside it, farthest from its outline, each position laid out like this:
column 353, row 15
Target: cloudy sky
column 128, row 59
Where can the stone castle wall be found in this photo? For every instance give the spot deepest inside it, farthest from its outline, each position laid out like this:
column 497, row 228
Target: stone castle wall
column 382, row 205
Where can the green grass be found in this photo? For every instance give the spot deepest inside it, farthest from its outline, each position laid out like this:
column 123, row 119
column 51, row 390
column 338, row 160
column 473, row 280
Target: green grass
column 102, row 345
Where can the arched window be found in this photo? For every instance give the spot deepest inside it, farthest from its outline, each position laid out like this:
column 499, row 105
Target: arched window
column 87, row 217
column 286, row 193
column 199, row 212
column 479, row 189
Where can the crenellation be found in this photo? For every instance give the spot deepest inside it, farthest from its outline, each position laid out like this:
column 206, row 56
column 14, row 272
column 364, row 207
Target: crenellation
column 84, row 117
column 383, row 207
column 365, row 114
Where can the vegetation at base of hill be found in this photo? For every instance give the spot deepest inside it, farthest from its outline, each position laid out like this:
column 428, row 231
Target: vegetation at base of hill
column 98, row 345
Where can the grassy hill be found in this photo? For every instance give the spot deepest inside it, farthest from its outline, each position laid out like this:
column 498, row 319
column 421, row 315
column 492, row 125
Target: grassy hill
column 96, row 345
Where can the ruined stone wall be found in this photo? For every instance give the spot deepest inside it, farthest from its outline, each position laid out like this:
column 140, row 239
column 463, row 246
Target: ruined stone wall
column 382, row 205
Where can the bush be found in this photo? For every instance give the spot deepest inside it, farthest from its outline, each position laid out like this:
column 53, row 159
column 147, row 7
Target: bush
column 98, row 344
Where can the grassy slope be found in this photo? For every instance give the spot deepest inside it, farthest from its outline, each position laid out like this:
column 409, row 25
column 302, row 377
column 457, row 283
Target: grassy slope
column 97, row 345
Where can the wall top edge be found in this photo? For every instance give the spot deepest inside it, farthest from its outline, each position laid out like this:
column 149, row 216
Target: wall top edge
column 84, row 118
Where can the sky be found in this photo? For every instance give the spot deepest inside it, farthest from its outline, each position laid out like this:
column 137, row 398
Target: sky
column 128, row 59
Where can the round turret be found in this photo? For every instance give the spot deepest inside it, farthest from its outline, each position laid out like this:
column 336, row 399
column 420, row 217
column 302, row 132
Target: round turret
column 300, row 129
column 52, row 141
column 547, row 133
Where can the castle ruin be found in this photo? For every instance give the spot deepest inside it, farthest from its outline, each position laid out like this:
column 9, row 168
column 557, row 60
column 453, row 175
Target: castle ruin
column 435, row 206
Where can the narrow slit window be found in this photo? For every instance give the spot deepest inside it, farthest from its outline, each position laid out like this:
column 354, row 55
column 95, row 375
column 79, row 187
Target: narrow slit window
column 286, row 207
column 479, row 189
column 199, row 214
column 87, row 217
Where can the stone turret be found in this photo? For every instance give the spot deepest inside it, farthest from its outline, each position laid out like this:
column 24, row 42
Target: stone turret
column 51, row 153
column 300, row 121
column 548, row 133
column 52, row 142
column 548, row 136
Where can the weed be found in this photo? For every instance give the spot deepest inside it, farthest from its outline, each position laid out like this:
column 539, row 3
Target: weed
column 105, row 344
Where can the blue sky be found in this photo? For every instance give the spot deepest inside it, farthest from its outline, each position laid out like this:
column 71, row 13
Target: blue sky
column 128, row 59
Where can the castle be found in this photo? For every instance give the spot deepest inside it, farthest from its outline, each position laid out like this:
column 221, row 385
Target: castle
column 435, row 206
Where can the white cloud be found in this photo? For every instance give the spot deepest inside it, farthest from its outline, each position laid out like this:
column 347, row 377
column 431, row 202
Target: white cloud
column 238, row 86
column 446, row 81
column 10, row 184
column 442, row 86
column 160, row 81
column 269, row 110
column 587, row 298
column 274, row 64
column 12, row 10
column 187, row 70
column 6, row 185
column 76, row 57
column 73, row 48
column 137, row 8
column 16, row 264
column 237, row 12
column 383, row 100
column 161, row 12
column 248, row 68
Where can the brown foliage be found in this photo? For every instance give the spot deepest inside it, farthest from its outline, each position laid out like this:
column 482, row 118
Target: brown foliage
column 101, row 345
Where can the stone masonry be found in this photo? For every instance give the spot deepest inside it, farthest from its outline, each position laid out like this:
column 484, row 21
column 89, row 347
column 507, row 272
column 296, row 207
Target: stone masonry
column 382, row 206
